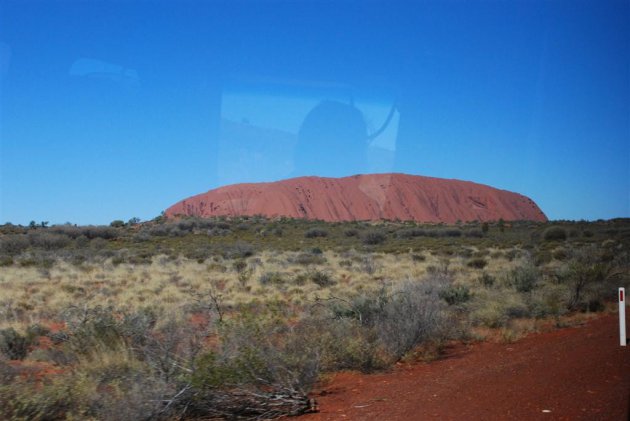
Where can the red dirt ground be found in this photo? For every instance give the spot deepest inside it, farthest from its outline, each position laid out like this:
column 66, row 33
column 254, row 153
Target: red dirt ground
column 578, row 373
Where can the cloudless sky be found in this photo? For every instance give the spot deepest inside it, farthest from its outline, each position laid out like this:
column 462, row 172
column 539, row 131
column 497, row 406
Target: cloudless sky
column 118, row 109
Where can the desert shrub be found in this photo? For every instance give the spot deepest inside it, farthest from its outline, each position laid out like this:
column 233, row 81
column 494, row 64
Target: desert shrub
column 109, row 385
column 68, row 230
column 117, row 223
column 549, row 300
column 486, row 280
column 321, row 279
column 523, row 278
column 48, row 241
column 560, row 254
column 52, row 401
column 411, row 233
column 395, row 321
column 497, row 254
column 542, row 257
column 555, row 234
column 418, row 257
column 368, row 264
column 5, row 260
column 98, row 243
column 351, row 232
column 106, row 233
column 494, row 308
column 238, row 250
column 186, row 225
column 34, row 331
column 13, row 345
column 342, row 343
column 455, row 295
column 451, row 232
column 481, row 253
column 309, row 259
column 412, row 315
column 315, row 233
column 13, row 244
column 477, row 263
column 116, row 384
column 300, row 279
column 141, row 237
column 161, row 230
column 364, row 307
column 474, row 233
column 374, row 237
column 442, row 268
column 200, row 254
column 513, row 254
column 260, row 368
column 91, row 328
column 590, row 278
column 7, row 373
column 271, row 278
column 261, row 371
column 218, row 232
column 239, row 265
column 465, row 252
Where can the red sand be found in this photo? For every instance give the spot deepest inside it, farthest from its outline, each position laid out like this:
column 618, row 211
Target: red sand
column 578, row 373
column 364, row 197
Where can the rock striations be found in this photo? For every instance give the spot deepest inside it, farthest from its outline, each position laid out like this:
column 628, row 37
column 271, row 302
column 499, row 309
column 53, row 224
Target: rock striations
column 364, row 197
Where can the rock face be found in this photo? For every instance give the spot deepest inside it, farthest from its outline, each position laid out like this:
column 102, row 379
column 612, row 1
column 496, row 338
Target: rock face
column 363, row 197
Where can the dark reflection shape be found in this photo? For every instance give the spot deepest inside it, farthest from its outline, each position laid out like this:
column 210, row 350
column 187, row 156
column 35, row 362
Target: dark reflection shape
column 332, row 141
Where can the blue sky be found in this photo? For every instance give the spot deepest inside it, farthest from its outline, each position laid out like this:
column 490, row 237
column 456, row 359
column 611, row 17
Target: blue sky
column 118, row 109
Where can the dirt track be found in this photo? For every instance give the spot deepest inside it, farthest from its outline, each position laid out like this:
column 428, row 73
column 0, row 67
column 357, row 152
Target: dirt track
column 578, row 373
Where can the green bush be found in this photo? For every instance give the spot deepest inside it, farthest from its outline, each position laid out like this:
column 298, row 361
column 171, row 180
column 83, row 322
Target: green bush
column 455, row 295
column 322, row 279
column 271, row 278
column 560, row 254
column 13, row 345
column 23, row 400
column 374, row 237
column 542, row 257
column 477, row 263
column 309, row 259
column 523, row 278
column 6, row 260
column 238, row 250
column 417, row 257
column 256, row 373
column 413, row 314
column 555, row 234
column 486, row 280
column 494, row 308
column 315, row 233
column 13, row 245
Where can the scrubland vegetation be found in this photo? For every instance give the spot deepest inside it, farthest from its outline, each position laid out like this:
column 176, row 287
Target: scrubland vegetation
column 238, row 318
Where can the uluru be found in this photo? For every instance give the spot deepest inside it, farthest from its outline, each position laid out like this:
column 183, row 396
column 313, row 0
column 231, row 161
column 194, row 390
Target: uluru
column 365, row 197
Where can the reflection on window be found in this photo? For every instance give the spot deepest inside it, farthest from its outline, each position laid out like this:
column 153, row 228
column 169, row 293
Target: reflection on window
column 275, row 130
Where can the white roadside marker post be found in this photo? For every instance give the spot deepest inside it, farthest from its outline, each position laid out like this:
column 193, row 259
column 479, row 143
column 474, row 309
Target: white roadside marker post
column 622, row 316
